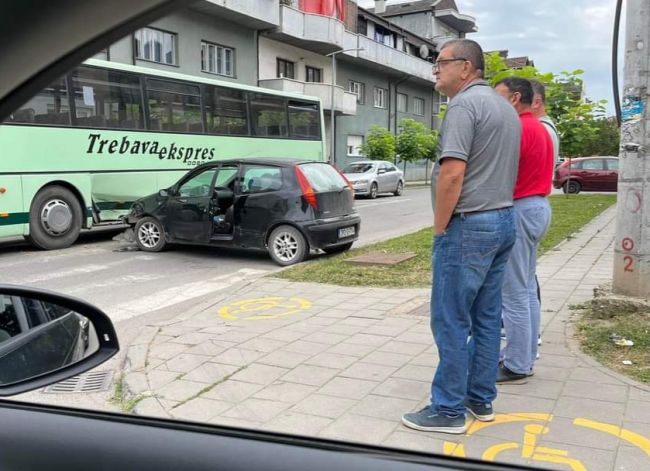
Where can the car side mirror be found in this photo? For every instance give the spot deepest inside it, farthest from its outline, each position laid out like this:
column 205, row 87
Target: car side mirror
column 47, row 337
column 381, row 170
column 164, row 193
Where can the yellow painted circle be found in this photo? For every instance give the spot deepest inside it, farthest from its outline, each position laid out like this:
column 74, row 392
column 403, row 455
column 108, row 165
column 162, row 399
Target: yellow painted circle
column 264, row 308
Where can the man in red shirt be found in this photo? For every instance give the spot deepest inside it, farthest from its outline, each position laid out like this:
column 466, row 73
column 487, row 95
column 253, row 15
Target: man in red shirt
column 521, row 309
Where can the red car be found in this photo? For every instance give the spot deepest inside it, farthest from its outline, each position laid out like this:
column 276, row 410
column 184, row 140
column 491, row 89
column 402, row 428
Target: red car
column 587, row 174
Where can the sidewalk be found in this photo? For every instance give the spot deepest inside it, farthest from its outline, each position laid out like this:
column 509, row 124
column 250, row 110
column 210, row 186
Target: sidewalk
column 346, row 363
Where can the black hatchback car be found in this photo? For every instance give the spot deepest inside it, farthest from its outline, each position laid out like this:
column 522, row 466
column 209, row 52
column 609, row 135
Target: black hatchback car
column 284, row 206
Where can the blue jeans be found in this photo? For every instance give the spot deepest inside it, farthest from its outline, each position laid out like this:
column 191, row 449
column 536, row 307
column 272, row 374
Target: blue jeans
column 468, row 264
column 521, row 310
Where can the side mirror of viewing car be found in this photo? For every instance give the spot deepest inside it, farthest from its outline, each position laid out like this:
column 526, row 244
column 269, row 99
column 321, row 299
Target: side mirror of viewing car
column 47, row 337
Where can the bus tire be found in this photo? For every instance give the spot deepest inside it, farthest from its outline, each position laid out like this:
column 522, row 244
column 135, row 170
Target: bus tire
column 55, row 218
column 150, row 234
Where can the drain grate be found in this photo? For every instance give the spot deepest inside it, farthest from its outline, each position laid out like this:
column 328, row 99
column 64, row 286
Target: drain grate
column 95, row 381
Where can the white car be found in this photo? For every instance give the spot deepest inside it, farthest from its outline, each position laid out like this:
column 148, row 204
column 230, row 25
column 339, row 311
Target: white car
column 371, row 177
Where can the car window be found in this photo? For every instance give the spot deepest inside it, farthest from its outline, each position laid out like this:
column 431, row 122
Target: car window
column 9, row 324
column 323, row 177
column 595, row 164
column 261, row 178
column 358, row 167
column 225, row 176
column 198, row 185
column 612, row 164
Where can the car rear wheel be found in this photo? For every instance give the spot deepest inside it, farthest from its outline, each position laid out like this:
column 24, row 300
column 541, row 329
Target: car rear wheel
column 55, row 218
column 150, row 235
column 287, row 246
column 400, row 188
column 374, row 190
column 338, row 248
column 572, row 186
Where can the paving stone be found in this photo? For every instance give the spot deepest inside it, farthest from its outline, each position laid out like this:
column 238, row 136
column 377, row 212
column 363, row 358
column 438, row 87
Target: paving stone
column 638, row 394
column 551, row 372
column 562, row 430
column 602, row 392
column 256, row 410
column 388, row 408
column 210, row 372
column 475, row 446
column 324, row 337
column 283, row 358
column 630, row 458
column 232, row 391
column 403, row 388
column 210, row 348
column 151, row 407
column 638, row 411
column 348, row 387
column 422, row 442
column 200, row 409
column 573, row 407
column 307, row 348
column 263, row 345
column 357, row 428
column 371, row 340
column 166, row 350
column 415, row 372
column 259, row 374
column 534, row 388
column 345, row 348
column 359, row 321
column 184, row 363
column 593, row 375
column 136, row 383
column 236, row 336
column 344, row 329
column 332, row 360
column 557, row 361
column 369, row 371
column 592, row 457
column 238, row 356
column 403, row 348
column 193, row 338
column 323, row 406
column 146, row 336
column 426, row 358
column 157, row 378
column 136, row 357
column 387, row 358
column 180, row 390
column 297, row 424
column 291, row 393
column 310, row 375
column 284, row 335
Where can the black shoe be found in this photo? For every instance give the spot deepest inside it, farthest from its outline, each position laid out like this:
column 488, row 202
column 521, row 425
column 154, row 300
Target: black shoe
column 505, row 376
column 482, row 412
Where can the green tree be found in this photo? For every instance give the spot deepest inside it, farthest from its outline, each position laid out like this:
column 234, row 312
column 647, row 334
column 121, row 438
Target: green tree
column 606, row 140
column 379, row 144
column 575, row 118
column 415, row 141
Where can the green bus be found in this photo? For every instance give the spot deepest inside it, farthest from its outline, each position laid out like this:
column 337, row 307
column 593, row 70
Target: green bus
column 81, row 151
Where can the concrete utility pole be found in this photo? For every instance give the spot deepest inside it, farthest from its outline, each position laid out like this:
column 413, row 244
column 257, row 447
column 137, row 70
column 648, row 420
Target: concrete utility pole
column 632, row 245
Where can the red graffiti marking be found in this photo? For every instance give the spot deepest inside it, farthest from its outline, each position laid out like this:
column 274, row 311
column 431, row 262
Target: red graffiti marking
column 634, row 200
column 629, row 263
column 627, row 244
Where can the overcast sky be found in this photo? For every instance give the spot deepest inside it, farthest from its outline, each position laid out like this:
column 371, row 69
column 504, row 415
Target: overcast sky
column 556, row 34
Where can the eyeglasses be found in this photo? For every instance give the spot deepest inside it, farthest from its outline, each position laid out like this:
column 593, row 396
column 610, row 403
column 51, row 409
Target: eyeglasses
column 440, row 62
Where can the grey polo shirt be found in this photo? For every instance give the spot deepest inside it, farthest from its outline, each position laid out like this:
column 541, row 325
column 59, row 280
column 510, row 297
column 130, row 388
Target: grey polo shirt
column 483, row 129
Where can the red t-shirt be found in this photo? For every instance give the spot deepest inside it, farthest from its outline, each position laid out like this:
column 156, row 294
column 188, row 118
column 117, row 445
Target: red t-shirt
column 535, row 174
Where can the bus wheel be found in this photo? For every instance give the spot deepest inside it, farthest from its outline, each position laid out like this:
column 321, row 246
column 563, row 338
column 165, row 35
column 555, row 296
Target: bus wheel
column 150, row 235
column 55, row 218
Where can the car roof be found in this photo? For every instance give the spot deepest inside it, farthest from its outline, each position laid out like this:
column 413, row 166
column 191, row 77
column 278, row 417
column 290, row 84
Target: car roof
column 266, row 161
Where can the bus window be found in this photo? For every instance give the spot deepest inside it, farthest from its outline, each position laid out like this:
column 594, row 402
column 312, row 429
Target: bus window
column 269, row 116
column 50, row 106
column 226, row 111
column 304, row 120
column 174, row 106
column 107, row 99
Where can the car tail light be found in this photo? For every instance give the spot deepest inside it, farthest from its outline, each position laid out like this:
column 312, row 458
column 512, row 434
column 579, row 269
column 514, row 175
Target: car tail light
column 305, row 187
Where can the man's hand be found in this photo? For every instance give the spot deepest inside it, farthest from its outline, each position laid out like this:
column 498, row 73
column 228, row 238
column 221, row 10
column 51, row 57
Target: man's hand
column 448, row 187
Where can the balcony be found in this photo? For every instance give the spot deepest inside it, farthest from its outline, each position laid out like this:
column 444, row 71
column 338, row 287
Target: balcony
column 322, row 34
column 344, row 102
column 258, row 14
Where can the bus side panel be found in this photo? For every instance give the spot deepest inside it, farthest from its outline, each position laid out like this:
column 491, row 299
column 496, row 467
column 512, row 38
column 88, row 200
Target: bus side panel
column 80, row 184
column 13, row 215
column 114, row 193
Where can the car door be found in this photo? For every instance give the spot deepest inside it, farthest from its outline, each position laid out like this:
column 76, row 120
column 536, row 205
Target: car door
column 394, row 175
column 593, row 175
column 383, row 177
column 611, row 177
column 190, row 207
column 258, row 203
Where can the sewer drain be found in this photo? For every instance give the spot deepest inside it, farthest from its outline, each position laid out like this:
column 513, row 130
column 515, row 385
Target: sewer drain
column 95, row 381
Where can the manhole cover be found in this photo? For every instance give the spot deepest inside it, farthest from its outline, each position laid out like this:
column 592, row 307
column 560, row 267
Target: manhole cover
column 95, row 381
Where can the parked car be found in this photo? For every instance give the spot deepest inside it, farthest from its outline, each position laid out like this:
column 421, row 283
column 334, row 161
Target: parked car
column 587, row 174
column 282, row 206
column 371, row 177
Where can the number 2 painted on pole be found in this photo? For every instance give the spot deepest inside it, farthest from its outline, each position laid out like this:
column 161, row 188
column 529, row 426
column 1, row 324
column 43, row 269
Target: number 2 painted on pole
column 629, row 263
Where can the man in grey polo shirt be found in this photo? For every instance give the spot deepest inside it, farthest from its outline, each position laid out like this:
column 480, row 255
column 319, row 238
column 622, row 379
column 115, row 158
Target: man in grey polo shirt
column 474, row 232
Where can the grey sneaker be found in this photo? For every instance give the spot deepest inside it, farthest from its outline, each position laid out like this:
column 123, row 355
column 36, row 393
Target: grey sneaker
column 482, row 412
column 428, row 420
column 505, row 376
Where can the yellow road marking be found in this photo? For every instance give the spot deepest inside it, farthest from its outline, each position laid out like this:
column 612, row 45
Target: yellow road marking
column 264, row 308
column 638, row 440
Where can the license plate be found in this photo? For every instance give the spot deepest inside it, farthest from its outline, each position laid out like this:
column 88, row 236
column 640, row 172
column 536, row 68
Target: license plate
column 346, row 232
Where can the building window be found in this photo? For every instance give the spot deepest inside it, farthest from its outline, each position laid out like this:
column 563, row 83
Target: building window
column 440, row 104
column 285, row 69
column 217, row 59
column 359, row 89
column 418, row 106
column 384, row 36
column 156, row 46
column 312, row 74
column 402, row 102
column 354, row 145
column 380, row 97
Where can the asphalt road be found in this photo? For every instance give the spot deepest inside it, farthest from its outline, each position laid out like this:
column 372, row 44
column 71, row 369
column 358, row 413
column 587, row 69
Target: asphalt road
column 127, row 283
